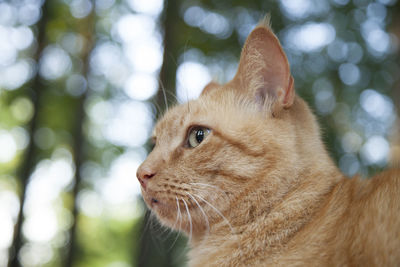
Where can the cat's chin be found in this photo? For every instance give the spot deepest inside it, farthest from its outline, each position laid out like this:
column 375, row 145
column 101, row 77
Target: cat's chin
column 164, row 209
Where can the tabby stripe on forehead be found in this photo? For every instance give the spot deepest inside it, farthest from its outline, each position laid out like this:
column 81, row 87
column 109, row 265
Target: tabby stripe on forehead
column 241, row 145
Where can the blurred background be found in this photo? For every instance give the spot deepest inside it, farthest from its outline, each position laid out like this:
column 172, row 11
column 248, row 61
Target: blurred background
column 80, row 90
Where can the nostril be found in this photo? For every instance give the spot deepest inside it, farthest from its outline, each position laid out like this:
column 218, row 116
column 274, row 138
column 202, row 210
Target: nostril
column 142, row 182
column 148, row 176
column 144, row 175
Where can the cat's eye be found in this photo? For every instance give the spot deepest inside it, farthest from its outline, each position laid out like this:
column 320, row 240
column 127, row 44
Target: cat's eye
column 197, row 135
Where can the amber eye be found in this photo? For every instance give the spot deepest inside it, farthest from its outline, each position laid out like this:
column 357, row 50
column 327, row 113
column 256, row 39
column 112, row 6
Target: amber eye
column 197, row 135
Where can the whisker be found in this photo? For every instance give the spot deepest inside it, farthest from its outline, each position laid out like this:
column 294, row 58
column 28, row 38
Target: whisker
column 179, row 218
column 164, row 95
column 202, row 211
column 172, row 229
column 157, row 228
column 157, row 111
column 161, row 231
column 167, row 95
column 188, row 106
column 184, row 60
column 177, row 213
column 216, row 210
column 190, row 220
column 146, row 221
column 172, row 95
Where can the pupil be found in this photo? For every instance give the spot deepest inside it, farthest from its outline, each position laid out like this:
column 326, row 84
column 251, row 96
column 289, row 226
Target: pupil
column 199, row 135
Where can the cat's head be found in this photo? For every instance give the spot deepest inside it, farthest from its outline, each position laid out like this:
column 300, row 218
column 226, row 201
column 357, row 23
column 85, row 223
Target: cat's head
column 211, row 152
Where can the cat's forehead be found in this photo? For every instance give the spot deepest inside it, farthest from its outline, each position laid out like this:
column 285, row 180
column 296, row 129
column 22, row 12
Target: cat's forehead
column 176, row 119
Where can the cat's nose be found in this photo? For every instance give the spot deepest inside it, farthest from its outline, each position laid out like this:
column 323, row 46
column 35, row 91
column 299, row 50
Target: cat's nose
column 144, row 175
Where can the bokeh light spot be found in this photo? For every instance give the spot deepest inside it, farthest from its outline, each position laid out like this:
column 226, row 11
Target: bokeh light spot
column 151, row 7
column 7, row 14
column 8, row 146
column 80, row 8
column 8, row 52
column 145, row 57
column 310, row 36
column 349, row 73
column 207, row 21
column 375, row 151
column 22, row 109
column 44, row 138
column 349, row 164
column 90, row 203
column 41, row 226
column 296, row 8
column 22, row 37
column 30, row 13
column 54, row 63
column 76, row 85
column 140, row 86
column 192, row 77
column 351, row 142
column 131, row 28
column 376, row 105
column 130, row 124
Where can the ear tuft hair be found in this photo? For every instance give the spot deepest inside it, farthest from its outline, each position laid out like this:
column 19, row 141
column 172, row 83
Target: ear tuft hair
column 265, row 22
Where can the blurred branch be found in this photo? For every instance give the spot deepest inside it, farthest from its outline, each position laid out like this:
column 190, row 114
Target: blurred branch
column 29, row 160
column 87, row 30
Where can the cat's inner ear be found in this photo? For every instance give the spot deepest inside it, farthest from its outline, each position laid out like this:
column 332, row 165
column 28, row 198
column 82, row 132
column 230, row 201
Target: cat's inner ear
column 210, row 87
column 263, row 72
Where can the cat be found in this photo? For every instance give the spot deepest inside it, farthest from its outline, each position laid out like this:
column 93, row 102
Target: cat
column 243, row 172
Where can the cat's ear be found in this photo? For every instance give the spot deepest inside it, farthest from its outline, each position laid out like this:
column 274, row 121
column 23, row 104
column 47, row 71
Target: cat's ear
column 264, row 73
column 210, row 87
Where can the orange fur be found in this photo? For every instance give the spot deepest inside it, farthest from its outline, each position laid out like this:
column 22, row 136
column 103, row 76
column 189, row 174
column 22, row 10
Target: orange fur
column 260, row 189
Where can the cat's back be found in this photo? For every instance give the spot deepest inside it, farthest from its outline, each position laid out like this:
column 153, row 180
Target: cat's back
column 376, row 219
column 380, row 193
column 359, row 225
column 375, row 203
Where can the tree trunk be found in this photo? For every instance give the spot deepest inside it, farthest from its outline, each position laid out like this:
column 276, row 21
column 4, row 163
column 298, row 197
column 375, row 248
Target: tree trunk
column 29, row 160
column 87, row 30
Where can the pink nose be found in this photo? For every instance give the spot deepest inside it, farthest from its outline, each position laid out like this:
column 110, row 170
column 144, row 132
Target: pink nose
column 144, row 175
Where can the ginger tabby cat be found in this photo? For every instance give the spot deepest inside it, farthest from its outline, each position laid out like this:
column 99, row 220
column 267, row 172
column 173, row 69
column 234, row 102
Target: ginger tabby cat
column 243, row 172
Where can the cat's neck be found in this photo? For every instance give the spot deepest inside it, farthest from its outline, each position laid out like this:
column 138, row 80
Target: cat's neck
column 275, row 211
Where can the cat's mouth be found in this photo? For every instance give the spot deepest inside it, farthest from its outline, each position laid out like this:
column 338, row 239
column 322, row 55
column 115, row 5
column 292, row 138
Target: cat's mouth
column 155, row 202
column 150, row 200
column 163, row 206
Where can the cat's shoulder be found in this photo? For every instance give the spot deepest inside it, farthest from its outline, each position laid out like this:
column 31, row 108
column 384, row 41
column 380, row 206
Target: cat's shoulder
column 385, row 176
column 390, row 174
column 379, row 194
column 389, row 179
